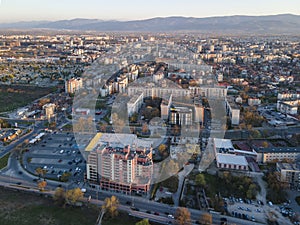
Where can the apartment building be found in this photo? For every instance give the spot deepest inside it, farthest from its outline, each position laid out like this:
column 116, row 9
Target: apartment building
column 289, row 173
column 135, row 103
column 265, row 155
column 233, row 111
column 120, row 162
column 73, row 85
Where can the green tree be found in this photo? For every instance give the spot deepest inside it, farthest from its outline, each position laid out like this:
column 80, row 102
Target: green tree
column 143, row 222
column 200, row 180
column 182, row 216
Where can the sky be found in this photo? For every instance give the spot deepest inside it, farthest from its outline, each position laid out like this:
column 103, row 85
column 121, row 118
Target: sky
column 31, row 10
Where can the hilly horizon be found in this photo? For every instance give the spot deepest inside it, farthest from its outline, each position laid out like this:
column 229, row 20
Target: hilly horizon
column 271, row 24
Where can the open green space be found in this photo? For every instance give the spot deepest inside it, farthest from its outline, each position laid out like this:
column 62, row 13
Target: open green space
column 223, row 184
column 3, row 161
column 239, row 186
column 14, row 96
column 122, row 219
column 24, row 208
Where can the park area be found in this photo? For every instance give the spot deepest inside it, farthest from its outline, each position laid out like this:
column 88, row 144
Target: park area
column 14, row 96
column 26, row 209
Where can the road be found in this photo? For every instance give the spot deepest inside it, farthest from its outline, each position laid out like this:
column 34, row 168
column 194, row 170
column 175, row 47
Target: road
column 145, row 205
column 36, row 129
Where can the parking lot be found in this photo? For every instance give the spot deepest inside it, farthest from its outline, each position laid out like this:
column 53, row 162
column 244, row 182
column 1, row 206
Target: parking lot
column 254, row 210
column 251, row 210
column 57, row 153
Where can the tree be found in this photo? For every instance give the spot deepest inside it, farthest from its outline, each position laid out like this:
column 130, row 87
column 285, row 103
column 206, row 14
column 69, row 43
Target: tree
column 145, row 128
column 73, row 195
column 134, row 117
column 110, row 206
column 42, row 184
column 200, row 180
column 65, row 176
column 162, row 148
column 265, row 144
column 143, row 222
column 40, row 171
column 206, row 218
column 103, row 127
column 182, row 216
column 60, row 196
column 175, row 130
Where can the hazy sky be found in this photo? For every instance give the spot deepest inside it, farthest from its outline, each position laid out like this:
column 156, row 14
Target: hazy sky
column 26, row 10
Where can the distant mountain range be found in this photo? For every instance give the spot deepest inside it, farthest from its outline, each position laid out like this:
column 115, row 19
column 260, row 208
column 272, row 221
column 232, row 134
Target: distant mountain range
column 273, row 24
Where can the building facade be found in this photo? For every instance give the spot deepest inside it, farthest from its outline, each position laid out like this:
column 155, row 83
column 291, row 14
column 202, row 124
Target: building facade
column 118, row 167
column 73, row 85
column 272, row 154
column 289, row 173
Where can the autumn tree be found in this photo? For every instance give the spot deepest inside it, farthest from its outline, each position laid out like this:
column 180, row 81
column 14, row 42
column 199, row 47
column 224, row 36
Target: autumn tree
column 206, row 219
column 103, row 127
column 276, row 189
column 265, row 144
column 175, row 130
column 134, row 117
column 162, row 149
column 182, row 216
column 73, row 195
column 145, row 128
column 109, row 206
column 60, row 196
column 143, row 222
column 65, row 176
column 40, row 171
column 41, row 185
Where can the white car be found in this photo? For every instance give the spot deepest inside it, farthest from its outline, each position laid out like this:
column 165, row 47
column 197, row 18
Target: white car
column 171, row 216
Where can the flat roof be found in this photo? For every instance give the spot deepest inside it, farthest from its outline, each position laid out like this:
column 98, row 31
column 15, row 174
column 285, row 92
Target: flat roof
column 223, row 143
column 231, row 159
column 116, row 140
column 278, row 149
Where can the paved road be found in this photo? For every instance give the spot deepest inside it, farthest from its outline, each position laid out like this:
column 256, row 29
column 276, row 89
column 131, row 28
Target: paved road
column 182, row 174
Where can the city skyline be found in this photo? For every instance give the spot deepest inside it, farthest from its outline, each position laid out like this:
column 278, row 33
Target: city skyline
column 32, row 10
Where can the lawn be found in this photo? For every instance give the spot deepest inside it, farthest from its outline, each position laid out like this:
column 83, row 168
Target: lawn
column 15, row 96
column 27, row 209
column 3, row 161
column 122, row 219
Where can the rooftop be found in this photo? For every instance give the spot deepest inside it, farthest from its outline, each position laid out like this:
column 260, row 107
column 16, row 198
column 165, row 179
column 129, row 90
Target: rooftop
column 277, row 149
column 232, row 159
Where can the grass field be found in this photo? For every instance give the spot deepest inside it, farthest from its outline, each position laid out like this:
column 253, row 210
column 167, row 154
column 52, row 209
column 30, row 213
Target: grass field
column 3, row 161
column 14, row 96
column 29, row 209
